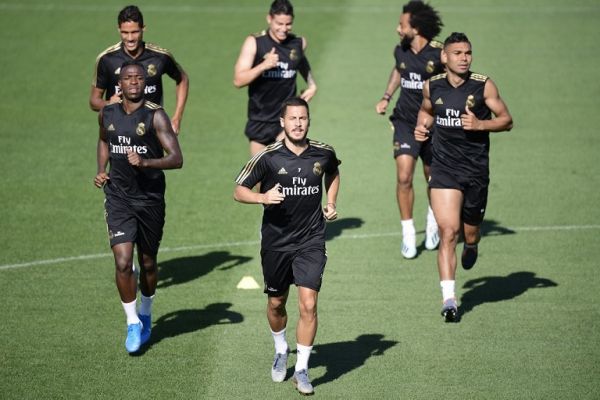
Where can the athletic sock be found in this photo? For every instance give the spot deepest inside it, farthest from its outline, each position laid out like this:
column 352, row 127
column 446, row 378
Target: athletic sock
column 130, row 312
column 447, row 290
column 281, row 346
column 146, row 305
column 302, row 356
column 408, row 227
column 431, row 222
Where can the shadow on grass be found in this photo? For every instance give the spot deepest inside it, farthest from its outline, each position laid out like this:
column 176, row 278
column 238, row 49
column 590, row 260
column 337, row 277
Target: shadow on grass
column 187, row 269
column 337, row 227
column 342, row 357
column 490, row 227
column 491, row 289
column 187, row 321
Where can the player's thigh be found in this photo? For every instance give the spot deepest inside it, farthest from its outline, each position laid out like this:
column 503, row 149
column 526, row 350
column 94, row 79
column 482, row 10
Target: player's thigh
column 151, row 222
column 261, row 132
column 475, row 202
column 404, row 139
column 277, row 271
column 309, row 266
column 446, row 198
column 121, row 221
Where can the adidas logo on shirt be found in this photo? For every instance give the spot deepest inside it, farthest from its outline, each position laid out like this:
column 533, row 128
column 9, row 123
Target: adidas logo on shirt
column 439, row 101
column 111, row 127
column 282, row 171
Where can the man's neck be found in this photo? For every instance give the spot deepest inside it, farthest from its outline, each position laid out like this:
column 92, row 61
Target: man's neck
column 456, row 79
column 296, row 148
column 131, row 106
column 136, row 53
column 418, row 43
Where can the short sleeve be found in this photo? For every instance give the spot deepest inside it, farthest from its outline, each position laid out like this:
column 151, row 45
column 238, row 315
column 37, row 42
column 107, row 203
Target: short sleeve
column 253, row 172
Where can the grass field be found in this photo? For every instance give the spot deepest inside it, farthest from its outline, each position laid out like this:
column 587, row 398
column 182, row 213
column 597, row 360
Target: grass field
column 530, row 317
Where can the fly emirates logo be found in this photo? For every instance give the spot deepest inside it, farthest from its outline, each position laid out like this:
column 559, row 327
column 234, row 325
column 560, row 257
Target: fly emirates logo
column 149, row 89
column 299, row 188
column 452, row 119
column 281, row 72
column 124, row 146
column 414, row 81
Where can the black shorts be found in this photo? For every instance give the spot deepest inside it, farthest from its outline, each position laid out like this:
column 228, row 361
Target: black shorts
column 263, row 132
column 302, row 267
column 474, row 189
column 405, row 142
column 139, row 224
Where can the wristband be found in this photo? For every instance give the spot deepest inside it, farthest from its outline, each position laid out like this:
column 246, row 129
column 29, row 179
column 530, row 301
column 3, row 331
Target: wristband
column 387, row 97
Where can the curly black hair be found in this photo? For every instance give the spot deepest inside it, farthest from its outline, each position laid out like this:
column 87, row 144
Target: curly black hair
column 424, row 18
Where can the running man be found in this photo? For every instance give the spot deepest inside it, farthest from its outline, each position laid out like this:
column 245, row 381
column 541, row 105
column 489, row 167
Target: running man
column 291, row 173
column 456, row 116
column 417, row 59
column 137, row 139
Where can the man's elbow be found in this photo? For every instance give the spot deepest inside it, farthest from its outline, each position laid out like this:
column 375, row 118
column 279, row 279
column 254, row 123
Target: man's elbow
column 238, row 83
column 178, row 162
column 509, row 124
column 93, row 106
column 185, row 81
column 236, row 195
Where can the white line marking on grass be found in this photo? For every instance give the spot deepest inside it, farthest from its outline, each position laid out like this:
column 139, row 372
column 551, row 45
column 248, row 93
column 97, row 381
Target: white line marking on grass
column 256, row 242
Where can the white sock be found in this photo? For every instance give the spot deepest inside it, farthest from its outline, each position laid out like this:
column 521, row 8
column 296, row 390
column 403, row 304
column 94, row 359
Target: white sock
column 130, row 312
column 281, row 346
column 447, row 290
column 302, row 356
column 430, row 218
column 408, row 227
column 146, row 305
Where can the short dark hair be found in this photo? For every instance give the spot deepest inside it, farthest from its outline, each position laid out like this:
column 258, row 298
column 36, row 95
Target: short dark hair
column 294, row 102
column 279, row 7
column 129, row 63
column 131, row 13
column 456, row 37
column 424, row 18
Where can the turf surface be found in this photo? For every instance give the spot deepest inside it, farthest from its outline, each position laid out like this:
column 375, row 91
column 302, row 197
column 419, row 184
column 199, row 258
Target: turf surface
column 529, row 327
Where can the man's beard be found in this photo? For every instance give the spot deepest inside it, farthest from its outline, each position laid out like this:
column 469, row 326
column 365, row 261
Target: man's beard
column 405, row 42
column 296, row 142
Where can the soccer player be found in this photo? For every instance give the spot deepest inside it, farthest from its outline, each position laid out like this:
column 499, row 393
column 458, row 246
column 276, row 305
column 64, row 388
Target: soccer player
column 457, row 108
column 268, row 64
column 417, row 59
column 155, row 60
column 291, row 173
column 137, row 138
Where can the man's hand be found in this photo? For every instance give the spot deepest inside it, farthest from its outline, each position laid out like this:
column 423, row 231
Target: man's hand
column 273, row 195
column 175, row 122
column 421, row 132
column 330, row 212
column 308, row 94
column 115, row 98
column 270, row 59
column 134, row 159
column 469, row 121
column 100, row 179
column 381, row 106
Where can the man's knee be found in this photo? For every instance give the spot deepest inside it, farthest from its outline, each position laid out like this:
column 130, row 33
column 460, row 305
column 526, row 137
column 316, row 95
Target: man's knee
column 277, row 305
column 123, row 264
column 308, row 307
column 448, row 234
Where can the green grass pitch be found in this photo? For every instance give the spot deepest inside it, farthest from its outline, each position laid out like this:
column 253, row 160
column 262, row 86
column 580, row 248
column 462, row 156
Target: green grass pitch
column 530, row 325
